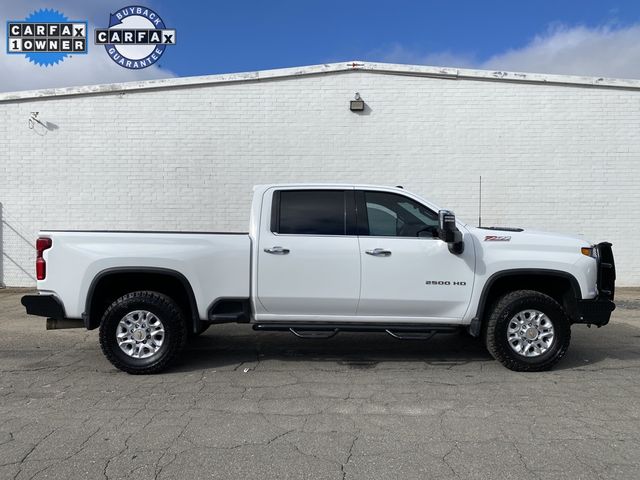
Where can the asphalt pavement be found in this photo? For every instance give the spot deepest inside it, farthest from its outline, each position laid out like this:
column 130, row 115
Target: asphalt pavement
column 245, row 405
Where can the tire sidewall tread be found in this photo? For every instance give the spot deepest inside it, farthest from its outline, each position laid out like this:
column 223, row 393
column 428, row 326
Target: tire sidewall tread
column 502, row 312
column 169, row 314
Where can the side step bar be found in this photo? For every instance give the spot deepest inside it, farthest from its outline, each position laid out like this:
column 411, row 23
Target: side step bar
column 411, row 336
column 328, row 330
column 322, row 334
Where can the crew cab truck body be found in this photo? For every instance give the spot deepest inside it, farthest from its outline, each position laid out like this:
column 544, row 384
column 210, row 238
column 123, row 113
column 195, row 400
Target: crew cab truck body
column 320, row 259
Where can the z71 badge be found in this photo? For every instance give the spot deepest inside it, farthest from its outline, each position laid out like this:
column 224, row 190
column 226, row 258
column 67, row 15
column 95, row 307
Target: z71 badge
column 497, row 238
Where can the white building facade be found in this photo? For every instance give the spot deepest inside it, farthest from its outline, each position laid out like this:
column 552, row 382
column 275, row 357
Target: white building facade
column 555, row 153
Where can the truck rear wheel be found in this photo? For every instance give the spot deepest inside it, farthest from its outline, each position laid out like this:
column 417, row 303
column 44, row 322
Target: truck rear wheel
column 142, row 332
column 528, row 331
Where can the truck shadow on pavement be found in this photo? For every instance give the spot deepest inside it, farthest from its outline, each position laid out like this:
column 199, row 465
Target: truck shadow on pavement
column 361, row 351
column 226, row 346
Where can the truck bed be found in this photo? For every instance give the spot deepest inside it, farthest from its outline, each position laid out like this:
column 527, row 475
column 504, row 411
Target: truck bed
column 145, row 231
column 216, row 264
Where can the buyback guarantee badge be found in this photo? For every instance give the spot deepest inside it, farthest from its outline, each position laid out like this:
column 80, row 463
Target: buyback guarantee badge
column 136, row 38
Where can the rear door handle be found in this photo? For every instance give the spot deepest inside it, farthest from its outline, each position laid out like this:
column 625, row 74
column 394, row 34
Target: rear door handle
column 379, row 252
column 277, row 250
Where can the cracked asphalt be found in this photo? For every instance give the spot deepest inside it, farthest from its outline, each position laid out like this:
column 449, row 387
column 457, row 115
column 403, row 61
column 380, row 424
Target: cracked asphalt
column 243, row 405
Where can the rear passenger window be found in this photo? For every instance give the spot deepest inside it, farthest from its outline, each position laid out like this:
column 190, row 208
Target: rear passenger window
column 311, row 212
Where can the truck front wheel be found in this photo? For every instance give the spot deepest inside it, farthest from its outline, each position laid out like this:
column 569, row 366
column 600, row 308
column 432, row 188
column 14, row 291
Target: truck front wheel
column 142, row 332
column 528, row 331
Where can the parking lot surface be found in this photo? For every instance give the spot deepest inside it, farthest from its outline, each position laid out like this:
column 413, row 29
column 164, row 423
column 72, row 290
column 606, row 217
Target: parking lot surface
column 244, row 405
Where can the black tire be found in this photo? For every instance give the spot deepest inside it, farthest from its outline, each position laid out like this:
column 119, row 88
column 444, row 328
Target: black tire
column 166, row 310
column 502, row 313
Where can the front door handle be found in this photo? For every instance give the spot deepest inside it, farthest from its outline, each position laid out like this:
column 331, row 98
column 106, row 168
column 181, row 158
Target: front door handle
column 379, row 252
column 277, row 250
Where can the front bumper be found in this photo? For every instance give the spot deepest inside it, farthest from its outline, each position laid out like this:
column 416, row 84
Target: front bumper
column 43, row 306
column 597, row 311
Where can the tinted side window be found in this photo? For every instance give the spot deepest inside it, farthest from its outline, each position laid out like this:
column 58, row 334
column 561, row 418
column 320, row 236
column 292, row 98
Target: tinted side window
column 382, row 221
column 312, row 212
column 393, row 215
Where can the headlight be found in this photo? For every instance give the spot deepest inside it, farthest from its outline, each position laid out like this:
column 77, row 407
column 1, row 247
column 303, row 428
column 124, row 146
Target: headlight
column 590, row 251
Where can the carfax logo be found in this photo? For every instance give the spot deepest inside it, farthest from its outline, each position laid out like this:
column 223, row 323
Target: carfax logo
column 136, row 38
column 46, row 37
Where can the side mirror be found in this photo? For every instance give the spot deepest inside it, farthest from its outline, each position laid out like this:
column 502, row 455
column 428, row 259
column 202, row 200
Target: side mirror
column 449, row 233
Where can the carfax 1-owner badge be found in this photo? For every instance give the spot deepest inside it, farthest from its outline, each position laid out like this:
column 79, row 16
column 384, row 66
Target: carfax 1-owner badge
column 136, row 37
column 46, row 37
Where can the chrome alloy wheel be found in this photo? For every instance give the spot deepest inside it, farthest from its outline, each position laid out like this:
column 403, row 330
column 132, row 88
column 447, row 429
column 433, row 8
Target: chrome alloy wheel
column 530, row 333
column 140, row 334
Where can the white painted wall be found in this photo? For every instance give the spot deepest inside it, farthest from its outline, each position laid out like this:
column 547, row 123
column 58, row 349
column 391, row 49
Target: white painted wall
column 552, row 157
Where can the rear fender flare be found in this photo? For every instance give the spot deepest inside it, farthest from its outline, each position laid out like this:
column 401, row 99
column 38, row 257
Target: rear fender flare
column 93, row 323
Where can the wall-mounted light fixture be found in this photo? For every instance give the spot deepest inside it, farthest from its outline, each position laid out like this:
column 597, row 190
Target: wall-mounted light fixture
column 357, row 104
column 33, row 119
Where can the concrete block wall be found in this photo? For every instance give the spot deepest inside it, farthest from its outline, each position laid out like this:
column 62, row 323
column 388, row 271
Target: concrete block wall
column 552, row 157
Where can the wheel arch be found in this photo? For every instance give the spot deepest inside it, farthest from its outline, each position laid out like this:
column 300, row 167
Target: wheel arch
column 561, row 286
column 114, row 282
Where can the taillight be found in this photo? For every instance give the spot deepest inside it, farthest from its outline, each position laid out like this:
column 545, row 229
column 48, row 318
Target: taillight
column 41, row 266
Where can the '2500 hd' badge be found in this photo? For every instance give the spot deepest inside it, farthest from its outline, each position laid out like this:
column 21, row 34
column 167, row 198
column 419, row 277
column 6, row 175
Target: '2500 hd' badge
column 136, row 38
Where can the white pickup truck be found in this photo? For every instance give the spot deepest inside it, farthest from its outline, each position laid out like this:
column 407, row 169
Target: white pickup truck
column 320, row 259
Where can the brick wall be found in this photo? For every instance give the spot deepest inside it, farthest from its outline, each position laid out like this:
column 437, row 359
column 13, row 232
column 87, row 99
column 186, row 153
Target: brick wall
column 552, row 157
